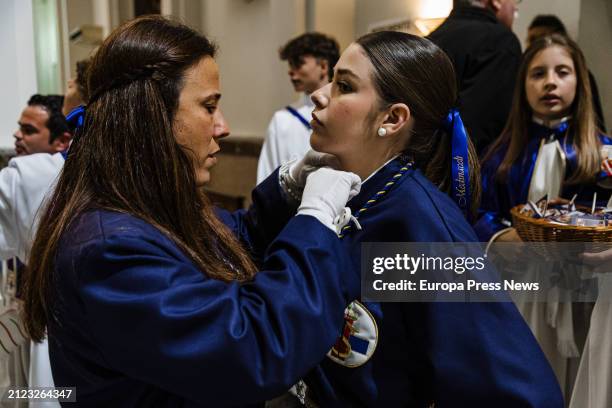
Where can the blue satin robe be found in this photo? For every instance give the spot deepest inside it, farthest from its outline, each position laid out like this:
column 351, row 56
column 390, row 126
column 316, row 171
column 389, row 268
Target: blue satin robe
column 498, row 198
column 453, row 354
column 141, row 325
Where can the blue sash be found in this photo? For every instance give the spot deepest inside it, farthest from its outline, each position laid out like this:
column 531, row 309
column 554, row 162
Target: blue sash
column 299, row 117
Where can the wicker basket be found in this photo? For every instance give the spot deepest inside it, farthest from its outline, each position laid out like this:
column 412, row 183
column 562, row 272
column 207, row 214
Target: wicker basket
column 539, row 231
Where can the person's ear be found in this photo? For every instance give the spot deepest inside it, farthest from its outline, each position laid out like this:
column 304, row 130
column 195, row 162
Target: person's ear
column 61, row 142
column 324, row 68
column 395, row 119
column 496, row 5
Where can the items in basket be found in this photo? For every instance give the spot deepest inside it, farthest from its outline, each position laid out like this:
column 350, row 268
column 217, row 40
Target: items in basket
column 568, row 214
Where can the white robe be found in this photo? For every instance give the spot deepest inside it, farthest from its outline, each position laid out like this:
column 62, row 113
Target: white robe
column 593, row 388
column 287, row 138
column 552, row 322
column 24, row 185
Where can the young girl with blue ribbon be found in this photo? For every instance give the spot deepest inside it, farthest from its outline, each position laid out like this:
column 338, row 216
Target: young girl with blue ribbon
column 389, row 117
column 551, row 125
column 550, row 147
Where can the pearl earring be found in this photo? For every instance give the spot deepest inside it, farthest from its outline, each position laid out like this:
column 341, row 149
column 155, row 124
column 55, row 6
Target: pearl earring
column 382, row 132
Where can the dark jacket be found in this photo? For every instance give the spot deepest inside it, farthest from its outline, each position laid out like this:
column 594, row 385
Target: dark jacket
column 486, row 56
column 597, row 104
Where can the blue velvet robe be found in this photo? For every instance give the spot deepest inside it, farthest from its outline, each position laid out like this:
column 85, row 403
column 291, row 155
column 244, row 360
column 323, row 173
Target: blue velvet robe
column 498, row 198
column 453, row 354
column 140, row 325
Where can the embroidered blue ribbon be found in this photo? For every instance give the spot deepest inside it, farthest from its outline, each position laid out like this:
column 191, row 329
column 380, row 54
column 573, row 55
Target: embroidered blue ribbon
column 76, row 117
column 460, row 190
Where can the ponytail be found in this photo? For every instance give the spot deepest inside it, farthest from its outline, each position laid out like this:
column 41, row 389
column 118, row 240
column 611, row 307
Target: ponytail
column 412, row 70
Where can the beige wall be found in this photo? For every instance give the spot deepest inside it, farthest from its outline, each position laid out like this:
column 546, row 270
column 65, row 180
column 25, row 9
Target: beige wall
column 187, row 11
column 368, row 12
column 253, row 79
column 79, row 12
column 567, row 10
column 121, row 11
column 595, row 39
column 18, row 68
column 336, row 18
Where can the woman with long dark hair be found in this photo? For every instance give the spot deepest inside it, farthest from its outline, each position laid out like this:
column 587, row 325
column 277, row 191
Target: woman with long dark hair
column 147, row 297
column 389, row 117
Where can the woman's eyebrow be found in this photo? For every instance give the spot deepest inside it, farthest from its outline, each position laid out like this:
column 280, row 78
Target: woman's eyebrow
column 545, row 66
column 212, row 98
column 347, row 72
column 537, row 67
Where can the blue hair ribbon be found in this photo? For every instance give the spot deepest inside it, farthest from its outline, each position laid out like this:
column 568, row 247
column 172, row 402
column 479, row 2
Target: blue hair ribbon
column 460, row 169
column 75, row 120
column 76, row 117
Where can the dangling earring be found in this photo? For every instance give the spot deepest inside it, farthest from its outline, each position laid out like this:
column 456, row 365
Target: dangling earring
column 382, row 132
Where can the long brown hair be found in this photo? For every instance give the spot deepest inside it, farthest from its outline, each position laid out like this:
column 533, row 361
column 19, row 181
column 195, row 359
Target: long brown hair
column 126, row 159
column 413, row 70
column 583, row 124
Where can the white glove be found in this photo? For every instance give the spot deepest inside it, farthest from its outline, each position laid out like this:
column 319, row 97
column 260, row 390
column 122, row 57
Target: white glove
column 293, row 174
column 326, row 193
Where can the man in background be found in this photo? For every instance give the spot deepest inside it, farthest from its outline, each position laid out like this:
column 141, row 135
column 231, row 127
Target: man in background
column 41, row 137
column 42, row 126
column 486, row 54
column 311, row 58
column 40, row 143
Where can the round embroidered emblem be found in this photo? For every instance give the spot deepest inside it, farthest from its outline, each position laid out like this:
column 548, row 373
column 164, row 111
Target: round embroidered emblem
column 359, row 337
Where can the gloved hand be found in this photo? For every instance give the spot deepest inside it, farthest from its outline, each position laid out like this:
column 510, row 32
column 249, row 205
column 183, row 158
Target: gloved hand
column 312, row 160
column 326, row 193
column 293, row 174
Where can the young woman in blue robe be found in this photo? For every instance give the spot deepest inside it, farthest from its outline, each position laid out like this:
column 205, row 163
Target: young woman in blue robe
column 147, row 298
column 388, row 117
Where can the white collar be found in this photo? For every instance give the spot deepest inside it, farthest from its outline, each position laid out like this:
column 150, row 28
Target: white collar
column 378, row 169
column 551, row 124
